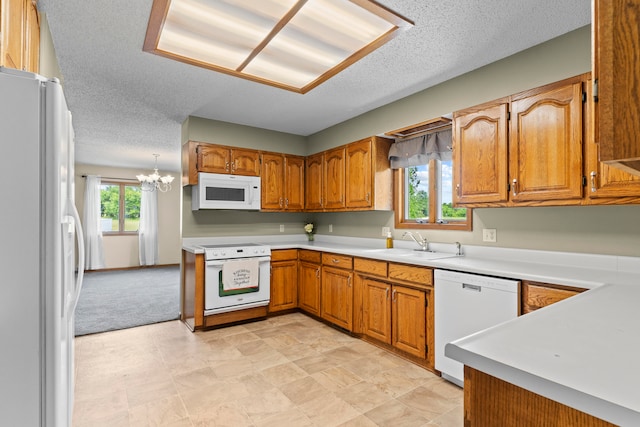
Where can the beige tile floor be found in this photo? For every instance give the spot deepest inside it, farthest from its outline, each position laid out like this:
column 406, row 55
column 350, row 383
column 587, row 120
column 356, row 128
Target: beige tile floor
column 284, row 371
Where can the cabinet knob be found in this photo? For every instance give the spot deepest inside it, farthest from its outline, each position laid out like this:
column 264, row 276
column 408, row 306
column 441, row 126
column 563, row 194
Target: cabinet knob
column 593, row 181
column 280, row 202
column 226, row 166
column 514, row 187
column 393, row 295
column 458, row 190
column 386, row 293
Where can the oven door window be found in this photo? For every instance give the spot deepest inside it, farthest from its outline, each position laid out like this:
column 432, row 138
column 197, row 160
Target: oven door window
column 225, row 293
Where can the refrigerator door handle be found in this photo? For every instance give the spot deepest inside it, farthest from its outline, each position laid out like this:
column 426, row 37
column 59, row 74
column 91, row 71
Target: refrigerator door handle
column 81, row 254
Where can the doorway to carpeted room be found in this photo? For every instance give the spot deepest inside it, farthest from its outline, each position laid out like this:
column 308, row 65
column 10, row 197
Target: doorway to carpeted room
column 120, row 299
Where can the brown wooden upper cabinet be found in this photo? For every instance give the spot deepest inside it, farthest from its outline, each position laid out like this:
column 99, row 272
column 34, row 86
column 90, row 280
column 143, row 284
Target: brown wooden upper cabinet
column 213, row 158
column 606, row 184
column 282, row 182
column 314, row 166
column 616, row 74
column 545, row 143
column 480, row 153
column 333, row 182
column 351, row 177
column 20, row 35
column 521, row 150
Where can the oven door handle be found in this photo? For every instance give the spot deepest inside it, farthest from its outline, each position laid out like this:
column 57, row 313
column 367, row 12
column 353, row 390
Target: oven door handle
column 219, row 262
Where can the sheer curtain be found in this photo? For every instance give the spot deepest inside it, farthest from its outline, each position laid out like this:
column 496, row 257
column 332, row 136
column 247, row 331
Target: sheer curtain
column 94, row 256
column 148, row 230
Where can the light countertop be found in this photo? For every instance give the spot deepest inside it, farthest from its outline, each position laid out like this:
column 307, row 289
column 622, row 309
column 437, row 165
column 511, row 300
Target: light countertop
column 581, row 352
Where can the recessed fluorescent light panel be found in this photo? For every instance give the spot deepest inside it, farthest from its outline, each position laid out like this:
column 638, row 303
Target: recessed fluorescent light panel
column 291, row 44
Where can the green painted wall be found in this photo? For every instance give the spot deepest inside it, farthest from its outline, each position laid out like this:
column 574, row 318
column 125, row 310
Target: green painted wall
column 594, row 229
column 224, row 133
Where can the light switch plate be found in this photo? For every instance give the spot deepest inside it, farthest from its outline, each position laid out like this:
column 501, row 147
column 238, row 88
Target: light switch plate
column 282, row 228
column 385, row 231
column 489, row 235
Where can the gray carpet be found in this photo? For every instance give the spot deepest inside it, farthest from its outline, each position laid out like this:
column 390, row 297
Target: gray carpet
column 122, row 299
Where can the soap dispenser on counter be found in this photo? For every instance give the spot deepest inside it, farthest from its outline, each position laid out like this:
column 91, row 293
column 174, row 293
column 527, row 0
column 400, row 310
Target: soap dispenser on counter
column 389, row 240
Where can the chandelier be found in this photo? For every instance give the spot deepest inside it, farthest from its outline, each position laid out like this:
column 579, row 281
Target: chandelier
column 155, row 181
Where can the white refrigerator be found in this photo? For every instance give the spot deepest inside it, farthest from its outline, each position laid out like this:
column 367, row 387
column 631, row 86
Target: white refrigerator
column 39, row 285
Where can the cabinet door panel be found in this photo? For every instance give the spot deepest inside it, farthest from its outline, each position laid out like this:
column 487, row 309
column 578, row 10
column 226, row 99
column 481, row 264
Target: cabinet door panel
column 337, row 297
column 213, row 159
column 616, row 67
column 272, row 181
column 545, row 145
column 313, row 182
column 377, row 310
column 284, row 284
column 409, row 320
column 13, row 32
column 480, row 154
column 294, row 183
column 334, row 179
column 245, row 162
column 309, row 287
column 358, row 191
column 605, row 181
column 535, row 295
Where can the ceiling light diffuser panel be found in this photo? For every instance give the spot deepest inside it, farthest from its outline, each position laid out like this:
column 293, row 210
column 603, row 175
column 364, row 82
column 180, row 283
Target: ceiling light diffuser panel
column 291, row 44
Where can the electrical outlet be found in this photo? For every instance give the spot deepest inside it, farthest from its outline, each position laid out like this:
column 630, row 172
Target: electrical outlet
column 385, row 231
column 489, row 235
column 330, row 228
column 282, row 228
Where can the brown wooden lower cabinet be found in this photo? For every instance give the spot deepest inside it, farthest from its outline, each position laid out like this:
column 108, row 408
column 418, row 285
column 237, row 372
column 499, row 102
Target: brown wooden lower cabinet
column 337, row 297
column 376, row 308
column 396, row 315
column 491, row 402
column 409, row 320
column 309, row 287
column 537, row 295
column 284, row 280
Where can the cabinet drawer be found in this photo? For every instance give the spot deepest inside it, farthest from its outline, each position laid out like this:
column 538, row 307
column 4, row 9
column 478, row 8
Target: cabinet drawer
column 310, row 256
column 535, row 296
column 370, row 266
column 284, row 254
column 335, row 260
column 408, row 273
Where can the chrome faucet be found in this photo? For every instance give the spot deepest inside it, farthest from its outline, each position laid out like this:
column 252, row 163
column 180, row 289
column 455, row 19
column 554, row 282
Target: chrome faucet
column 421, row 241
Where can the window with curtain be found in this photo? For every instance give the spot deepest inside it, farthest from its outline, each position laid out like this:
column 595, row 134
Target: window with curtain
column 424, row 183
column 119, row 207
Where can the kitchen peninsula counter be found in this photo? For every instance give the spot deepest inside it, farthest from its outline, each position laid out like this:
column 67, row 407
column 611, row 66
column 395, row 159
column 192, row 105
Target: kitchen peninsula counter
column 580, row 352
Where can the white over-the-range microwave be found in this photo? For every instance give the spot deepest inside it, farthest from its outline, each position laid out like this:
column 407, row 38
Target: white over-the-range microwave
column 220, row 191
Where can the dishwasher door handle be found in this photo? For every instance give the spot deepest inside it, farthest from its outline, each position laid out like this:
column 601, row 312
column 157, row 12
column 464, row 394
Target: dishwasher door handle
column 472, row 287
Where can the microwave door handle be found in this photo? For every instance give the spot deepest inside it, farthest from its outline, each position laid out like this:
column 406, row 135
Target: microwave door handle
column 254, row 190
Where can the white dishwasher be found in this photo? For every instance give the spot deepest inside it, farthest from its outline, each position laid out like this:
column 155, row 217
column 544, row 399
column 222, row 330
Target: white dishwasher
column 465, row 304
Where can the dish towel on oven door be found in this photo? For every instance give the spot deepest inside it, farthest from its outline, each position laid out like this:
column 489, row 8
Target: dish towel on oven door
column 240, row 274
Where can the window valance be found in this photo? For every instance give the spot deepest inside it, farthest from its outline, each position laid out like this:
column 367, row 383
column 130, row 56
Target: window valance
column 419, row 150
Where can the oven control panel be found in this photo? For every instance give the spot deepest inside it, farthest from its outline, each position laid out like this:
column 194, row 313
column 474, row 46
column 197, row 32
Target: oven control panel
column 235, row 251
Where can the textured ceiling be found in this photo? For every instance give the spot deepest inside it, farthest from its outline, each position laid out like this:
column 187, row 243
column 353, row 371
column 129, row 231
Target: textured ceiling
column 128, row 104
